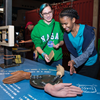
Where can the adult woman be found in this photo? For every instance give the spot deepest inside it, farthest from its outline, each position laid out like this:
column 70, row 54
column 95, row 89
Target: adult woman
column 79, row 40
column 41, row 34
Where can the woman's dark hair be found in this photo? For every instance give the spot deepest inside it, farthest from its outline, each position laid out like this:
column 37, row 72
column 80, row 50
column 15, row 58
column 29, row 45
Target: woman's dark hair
column 70, row 12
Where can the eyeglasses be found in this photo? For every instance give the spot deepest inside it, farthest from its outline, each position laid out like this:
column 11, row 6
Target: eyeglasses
column 45, row 14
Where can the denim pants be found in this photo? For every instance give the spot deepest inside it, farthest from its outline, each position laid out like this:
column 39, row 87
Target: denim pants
column 52, row 63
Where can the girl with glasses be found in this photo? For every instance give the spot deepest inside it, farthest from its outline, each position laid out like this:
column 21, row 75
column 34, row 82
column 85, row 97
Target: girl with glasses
column 42, row 33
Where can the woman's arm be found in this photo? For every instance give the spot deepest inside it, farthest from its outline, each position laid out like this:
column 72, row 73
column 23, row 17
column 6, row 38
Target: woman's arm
column 28, row 41
column 84, row 56
column 44, row 55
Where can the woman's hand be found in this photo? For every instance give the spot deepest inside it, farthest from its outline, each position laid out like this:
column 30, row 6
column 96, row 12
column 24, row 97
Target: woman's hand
column 71, row 64
column 22, row 41
column 56, row 46
column 46, row 58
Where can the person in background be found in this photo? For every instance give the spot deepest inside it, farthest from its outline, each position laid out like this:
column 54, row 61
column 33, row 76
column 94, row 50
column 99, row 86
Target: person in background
column 79, row 40
column 30, row 27
column 41, row 34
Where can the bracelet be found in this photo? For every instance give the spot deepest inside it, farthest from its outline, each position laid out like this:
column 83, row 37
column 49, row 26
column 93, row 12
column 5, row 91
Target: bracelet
column 43, row 54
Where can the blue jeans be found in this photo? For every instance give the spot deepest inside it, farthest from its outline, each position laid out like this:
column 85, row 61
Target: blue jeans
column 52, row 63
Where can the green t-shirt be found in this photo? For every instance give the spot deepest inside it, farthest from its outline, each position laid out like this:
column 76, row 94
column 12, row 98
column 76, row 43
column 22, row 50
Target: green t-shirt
column 41, row 33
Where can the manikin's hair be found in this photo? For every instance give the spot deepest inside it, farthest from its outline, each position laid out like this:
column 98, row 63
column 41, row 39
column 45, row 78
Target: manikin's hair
column 69, row 12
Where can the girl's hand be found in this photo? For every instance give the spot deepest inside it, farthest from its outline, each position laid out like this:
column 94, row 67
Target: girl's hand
column 56, row 46
column 46, row 58
column 72, row 69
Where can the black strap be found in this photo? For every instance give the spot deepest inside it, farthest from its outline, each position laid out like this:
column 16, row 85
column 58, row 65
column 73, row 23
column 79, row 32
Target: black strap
column 47, row 41
column 50, row 36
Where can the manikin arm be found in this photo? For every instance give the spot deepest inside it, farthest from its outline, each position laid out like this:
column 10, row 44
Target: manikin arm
column 57, row 90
